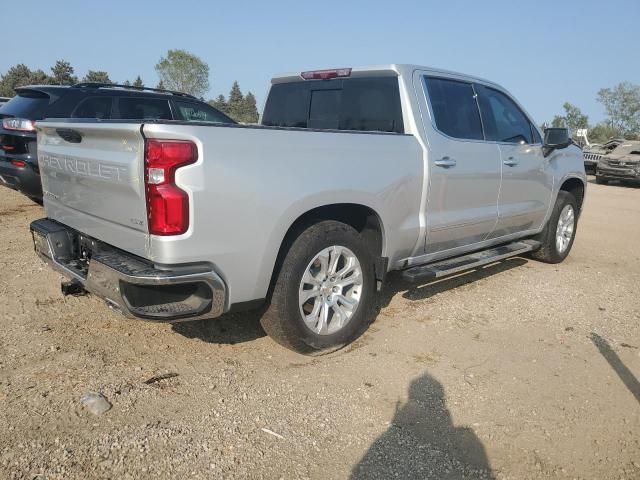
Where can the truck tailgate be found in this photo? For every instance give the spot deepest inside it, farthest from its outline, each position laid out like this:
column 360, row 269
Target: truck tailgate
column 93, row 180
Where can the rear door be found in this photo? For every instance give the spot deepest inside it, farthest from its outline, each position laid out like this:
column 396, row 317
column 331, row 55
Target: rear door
column 527, row 180
column 464, row 169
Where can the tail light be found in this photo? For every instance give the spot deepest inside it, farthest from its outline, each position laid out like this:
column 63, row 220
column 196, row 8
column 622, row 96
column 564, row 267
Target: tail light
column 20, row 124
column 167, row 205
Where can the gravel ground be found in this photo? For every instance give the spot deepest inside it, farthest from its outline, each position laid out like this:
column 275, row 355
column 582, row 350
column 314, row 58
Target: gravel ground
column 515, row 371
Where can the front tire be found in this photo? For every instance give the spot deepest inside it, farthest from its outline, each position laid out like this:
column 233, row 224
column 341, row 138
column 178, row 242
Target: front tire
column 601, row 180
column 558, row 235
column 323, row 296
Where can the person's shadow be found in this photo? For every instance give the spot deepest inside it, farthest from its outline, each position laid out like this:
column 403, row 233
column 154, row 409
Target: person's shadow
column 423, row 443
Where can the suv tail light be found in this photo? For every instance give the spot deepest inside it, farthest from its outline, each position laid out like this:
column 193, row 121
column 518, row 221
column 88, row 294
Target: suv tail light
column 20, row 124
column 167, row 205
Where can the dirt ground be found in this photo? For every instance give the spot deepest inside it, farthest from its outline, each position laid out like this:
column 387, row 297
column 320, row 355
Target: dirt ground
column 518, row 370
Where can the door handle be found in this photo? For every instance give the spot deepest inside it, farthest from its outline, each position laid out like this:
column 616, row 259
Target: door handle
column 445, row 162
column 511, row 162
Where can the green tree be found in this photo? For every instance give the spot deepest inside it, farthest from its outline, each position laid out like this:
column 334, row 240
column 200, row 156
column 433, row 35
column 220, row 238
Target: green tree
column 249, row 109
column 235, row 103
column 603, row 132
column 160, row 85
column 184, row 72
column 573, row 118
column 17, row 76
column 138, row 82
column 622, row 103
column 220, row 103
column 63, row 73
column 97, row 76
column 38, row 77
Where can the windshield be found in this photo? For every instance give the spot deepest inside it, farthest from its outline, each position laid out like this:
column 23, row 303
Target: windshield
column 28, row 104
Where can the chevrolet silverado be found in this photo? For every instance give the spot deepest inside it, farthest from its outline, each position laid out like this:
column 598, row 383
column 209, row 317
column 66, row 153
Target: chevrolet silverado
column 353, row 172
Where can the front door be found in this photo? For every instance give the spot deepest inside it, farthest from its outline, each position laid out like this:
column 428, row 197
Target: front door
column 464, row 169
column 527, row 180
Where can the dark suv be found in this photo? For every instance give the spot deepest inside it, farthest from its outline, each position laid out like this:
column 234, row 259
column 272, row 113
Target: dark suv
column 18, row 158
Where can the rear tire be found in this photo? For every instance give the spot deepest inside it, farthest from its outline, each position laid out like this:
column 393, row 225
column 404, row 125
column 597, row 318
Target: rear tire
column 558, row 235
column 308, row 269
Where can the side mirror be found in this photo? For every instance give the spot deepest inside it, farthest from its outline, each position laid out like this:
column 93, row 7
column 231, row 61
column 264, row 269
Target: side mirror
column 555, row 139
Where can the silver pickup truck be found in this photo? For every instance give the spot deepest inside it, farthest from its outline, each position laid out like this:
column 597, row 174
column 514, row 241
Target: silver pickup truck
column 352, row 173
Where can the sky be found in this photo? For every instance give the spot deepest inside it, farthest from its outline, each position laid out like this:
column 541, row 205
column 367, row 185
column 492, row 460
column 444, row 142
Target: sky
column 544, row 52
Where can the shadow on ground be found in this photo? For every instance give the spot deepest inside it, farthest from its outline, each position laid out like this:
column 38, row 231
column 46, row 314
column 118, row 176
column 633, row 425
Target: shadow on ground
column 422, row 442
column 617, row 183
column 628, row 378
column 243, row 327
column 228, row 329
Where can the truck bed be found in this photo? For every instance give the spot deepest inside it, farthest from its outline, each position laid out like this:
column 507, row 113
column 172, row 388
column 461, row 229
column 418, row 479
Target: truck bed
column 246, row 189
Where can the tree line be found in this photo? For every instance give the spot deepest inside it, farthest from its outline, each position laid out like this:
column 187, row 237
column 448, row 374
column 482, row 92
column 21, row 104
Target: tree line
column 178, row 70
column 622, row 104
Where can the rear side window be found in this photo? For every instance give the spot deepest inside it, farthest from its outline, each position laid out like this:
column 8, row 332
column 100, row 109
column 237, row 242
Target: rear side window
column 141, row 108
column 455, row 109
column 194, row 112
column 503, row 120
column 26, row 104
column 356, row 104
column 93, row 107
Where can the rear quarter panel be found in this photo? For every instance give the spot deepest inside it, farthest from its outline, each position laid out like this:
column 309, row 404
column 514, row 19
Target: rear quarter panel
column 251, row 184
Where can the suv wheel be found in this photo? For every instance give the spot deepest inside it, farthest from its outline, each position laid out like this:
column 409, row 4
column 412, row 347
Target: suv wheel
column 323, row 297
column 560, row 232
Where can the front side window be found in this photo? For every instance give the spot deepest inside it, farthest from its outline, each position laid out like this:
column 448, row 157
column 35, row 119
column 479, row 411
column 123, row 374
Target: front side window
column 503, row 119
column 141, row 108
column 93, row 107
column 455, row 109
column 195, row 112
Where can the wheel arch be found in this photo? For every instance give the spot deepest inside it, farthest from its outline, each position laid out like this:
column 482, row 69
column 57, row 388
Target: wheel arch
column 362, row 218
column 576, row 187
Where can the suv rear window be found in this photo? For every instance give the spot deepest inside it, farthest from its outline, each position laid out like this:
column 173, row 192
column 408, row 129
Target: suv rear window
column 140, row 108
column 28, row 104
column 356, row 104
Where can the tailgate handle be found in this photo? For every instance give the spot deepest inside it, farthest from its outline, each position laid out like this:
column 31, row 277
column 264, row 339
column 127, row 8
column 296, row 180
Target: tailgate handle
column 69, row 135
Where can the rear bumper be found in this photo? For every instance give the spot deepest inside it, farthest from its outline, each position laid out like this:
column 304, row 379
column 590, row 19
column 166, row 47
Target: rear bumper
column 25, row 179
column 134, row 286
column 20, row 146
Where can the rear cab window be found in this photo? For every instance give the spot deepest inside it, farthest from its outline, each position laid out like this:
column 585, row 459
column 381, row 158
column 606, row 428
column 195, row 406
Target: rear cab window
column 369, row 104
